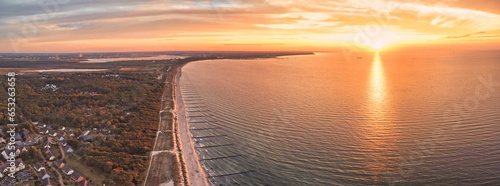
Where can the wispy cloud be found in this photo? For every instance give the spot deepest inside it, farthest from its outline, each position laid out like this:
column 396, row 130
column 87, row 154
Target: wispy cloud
column 183, row 24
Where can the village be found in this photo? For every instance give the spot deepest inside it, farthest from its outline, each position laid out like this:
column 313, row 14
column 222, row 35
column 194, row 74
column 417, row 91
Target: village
column 51, row 147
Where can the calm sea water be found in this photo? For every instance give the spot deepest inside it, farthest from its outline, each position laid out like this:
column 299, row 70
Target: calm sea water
column 389, row 118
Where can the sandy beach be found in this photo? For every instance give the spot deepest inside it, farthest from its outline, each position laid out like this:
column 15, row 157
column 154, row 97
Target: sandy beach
column 195, row 173
column 174, row 160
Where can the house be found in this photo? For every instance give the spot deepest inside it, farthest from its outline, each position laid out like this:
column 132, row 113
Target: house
column 24, row 175
column 43, row 174
column 112, row 136
column 59, row 164
column 19, row 164
column 24, row 134
column 38, row 167
column 44, row 131
column 49, row 126
column 88, row 138
column 71, row 133
column 46, row 182
column 21, row 146
column 2, row 141
column 46, row 150
column 67, row 129
column 18, row 137
column 50, row 156
column 67, row 170
column 64, row 143
column 41, row 125
column 6, row 153
column 77, row 177
column 84, row 133
column 48, row 145
column 68, row 149
column 84, row 183
column 33, row 141
column 35, row 123
column 4, row 169
column 52, row 133
column 59, row 137
column 8, row 181
column 61, row 128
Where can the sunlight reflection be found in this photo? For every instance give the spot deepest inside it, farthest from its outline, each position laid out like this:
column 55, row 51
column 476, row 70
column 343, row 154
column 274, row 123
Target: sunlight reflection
column 377, row 84
column 378, row 130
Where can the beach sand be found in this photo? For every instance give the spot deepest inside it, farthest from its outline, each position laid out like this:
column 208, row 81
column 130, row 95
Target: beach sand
column 196, row 175
column 174, row 159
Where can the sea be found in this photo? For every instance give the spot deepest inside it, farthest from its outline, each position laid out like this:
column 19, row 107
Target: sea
column 337, row 118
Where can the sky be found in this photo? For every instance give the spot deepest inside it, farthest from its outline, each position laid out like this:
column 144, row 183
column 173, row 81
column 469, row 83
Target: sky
column 238, row 25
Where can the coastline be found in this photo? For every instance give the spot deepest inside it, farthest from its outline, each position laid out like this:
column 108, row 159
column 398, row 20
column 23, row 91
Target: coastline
column 173, row 159
column 196, row 174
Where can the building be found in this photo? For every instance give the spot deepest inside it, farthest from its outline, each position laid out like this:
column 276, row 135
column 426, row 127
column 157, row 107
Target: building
column 23, row 176
column 46, row 182
column 38, row 167
column 84, row 133
column 48, row 145
column 8, row 181
column 46, row 150
column 24, row 134
column 5, row 168
column 77, row 177
column 68, row 149
column 43, row 174
column 6, row 153
column 44, row 131
column 59, row 137
column 50, row 156
column 18, row 137
column 52, row 133
column 41, row 125
column 21, row 146
column 64, row 143
column 19, row 164
column 67, row 170
column 84, row 183
column 61, row 128
column 59, row 164
column 33, row 141
column 88, row 138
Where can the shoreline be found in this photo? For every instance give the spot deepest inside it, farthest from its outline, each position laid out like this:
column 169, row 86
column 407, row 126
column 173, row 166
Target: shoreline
column 196, row 174
column 174, row 159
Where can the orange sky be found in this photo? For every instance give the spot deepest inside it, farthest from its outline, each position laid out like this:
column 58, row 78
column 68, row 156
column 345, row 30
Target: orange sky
column 127, row 25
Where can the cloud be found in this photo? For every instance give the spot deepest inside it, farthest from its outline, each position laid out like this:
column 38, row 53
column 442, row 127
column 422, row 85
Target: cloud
column 252, row 21
column 477, row 35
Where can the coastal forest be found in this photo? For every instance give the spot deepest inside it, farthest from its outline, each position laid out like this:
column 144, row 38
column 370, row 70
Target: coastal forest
column 120, row 109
